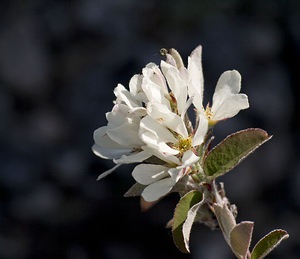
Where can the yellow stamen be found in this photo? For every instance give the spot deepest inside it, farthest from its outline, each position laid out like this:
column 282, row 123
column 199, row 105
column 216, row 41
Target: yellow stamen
column 183, row 144
column 209, row 115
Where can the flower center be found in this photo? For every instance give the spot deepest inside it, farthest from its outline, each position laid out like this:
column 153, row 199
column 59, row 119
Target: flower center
column 183, row 144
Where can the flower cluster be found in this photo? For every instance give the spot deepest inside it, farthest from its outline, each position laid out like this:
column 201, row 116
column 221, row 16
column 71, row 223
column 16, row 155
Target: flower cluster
column 149, row 123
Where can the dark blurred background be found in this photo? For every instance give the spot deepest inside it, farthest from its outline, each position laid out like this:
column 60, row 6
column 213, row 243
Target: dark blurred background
column 59, row 63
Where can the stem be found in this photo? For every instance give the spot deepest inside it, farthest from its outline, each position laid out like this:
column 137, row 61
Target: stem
column 225, row 217
column 216, row 194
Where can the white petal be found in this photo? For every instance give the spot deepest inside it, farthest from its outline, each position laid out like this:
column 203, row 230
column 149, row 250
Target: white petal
column 167, row 118
column 123, row 95
column 158, row 189
column 227, row 101
column 135, row 87
column 229, row 79
column 201, row 131
column 123, row 125
column 176, row 83
column 104, row 141
column 105, row 147
column 153, row 72
column 106, row 173
column 136, row 157
column 117, row 116
column 176, row 173
column 195, row 83
column 189, row 158
column 137, row 112
column 126, row 135
column 147, row 173
column 155, row 143
column 230, row 107
column 171, row 159
column 228, row 84
column 101, row 138
column 154, row 85
column 160, row 132
column 186, row 107
column 121, row 114
column 110, row 153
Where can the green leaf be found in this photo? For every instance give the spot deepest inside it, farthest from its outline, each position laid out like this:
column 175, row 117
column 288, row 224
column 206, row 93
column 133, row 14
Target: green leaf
column 232, row 150
column 240, row 238
column 180, row 215
column 268, row 243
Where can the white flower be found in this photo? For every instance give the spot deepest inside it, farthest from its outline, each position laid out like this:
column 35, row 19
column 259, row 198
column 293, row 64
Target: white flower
column 120, row 136
column 166, row 133
column 167, row 137
column 227, row 101
column 167, row 86
column 119, row 140
column 151, row 121
column 166, row 130
column 161, row 179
